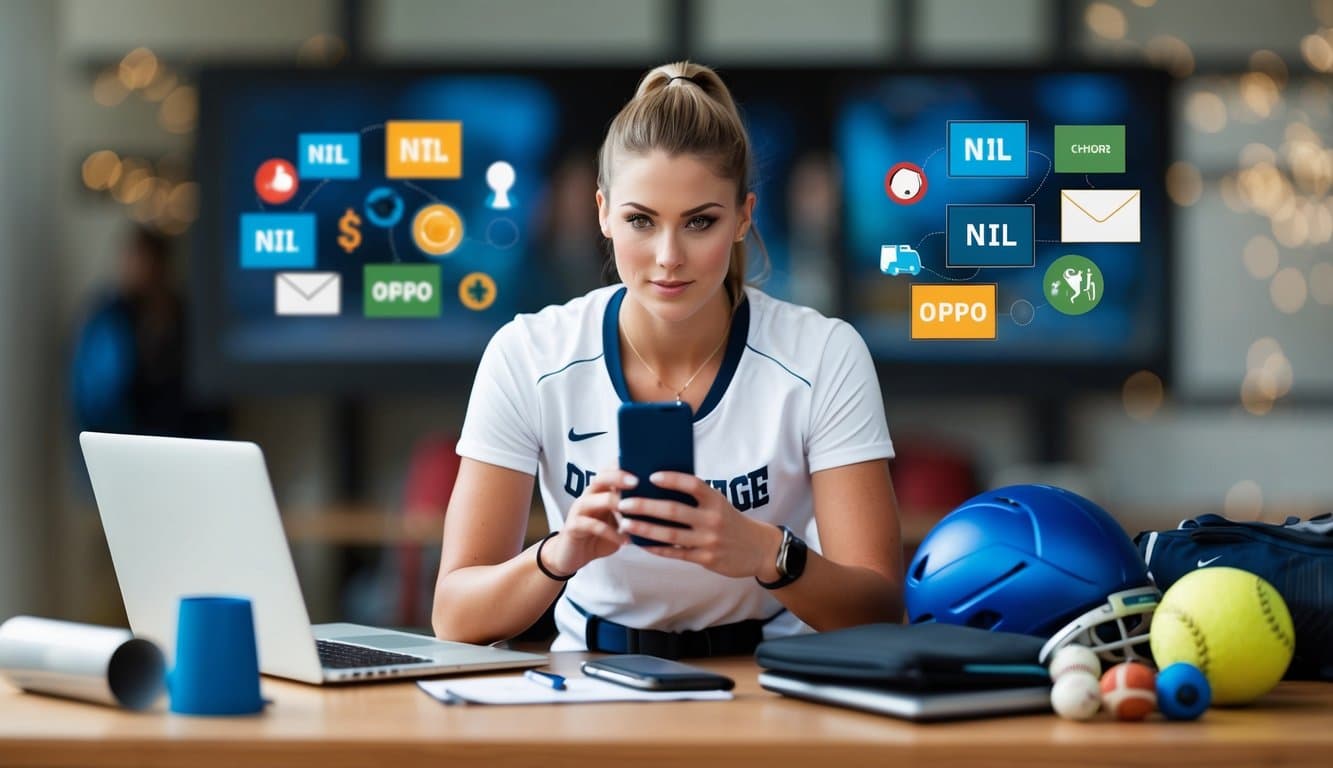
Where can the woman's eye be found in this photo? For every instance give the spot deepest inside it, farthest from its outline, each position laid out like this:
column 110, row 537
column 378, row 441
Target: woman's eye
column 701, row 222
column 638, row 221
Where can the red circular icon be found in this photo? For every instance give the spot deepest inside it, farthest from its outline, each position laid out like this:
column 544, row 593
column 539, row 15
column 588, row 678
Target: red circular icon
column 276, row 181
column 905, row 183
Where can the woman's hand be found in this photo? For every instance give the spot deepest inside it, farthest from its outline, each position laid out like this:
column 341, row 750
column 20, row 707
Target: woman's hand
column 719, row 538
column 590, row 529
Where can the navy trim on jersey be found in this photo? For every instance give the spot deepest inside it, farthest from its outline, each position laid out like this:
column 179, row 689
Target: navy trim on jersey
column 736, row 344
column 740, row 332
column 779, row 362
column 568, row 366
column 611, row 344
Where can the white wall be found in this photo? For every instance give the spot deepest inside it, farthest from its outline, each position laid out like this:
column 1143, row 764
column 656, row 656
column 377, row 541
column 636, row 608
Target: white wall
column 1223, row 308
column 509, row 30
column 967, row 31
column 193, row 29
column 1192, row 456
column 27, row 228
column 1188, row 455
column 1218, row 29
column 1195, row 451
column 87, row 36
column 793, row 31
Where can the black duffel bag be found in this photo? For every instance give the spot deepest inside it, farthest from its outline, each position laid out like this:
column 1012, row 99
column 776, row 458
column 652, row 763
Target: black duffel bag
column 1295, row 557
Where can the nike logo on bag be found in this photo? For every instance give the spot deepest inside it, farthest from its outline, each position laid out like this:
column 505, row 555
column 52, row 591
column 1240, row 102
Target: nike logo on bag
column 575, row 437
column 1209, row 561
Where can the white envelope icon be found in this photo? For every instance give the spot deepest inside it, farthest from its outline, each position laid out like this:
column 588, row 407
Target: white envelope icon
column 1099, row 215
column 308, row 293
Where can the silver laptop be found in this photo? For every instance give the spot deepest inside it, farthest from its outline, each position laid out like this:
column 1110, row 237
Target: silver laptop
column 921, row 706
column 191, row 517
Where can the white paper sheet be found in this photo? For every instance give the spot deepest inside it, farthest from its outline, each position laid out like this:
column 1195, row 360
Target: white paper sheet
column 516, row 689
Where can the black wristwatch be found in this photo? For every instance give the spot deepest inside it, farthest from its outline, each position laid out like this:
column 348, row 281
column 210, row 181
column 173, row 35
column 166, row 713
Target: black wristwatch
column 791, row 560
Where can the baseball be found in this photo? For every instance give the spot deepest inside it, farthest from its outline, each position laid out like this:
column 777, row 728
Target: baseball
column 1076, row 696
column 1232, row 625
column 1129, row 691
column 1075, row 658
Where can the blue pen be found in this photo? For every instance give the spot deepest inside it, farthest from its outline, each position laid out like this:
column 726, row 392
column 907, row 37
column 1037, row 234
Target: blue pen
column 548, row 679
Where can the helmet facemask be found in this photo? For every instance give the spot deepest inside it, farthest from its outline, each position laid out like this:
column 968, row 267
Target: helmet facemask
column 1117, row 630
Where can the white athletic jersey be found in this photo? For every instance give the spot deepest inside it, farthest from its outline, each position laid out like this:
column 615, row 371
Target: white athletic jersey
column 797, row 393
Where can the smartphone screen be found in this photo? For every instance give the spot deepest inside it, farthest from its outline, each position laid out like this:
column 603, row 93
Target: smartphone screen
column 656, row 437
column 656, row 674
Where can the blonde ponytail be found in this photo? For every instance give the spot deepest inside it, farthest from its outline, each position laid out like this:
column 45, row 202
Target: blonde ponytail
column 685, row 109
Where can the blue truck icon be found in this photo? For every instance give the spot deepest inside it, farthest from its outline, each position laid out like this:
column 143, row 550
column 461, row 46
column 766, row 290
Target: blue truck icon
column 899, row 260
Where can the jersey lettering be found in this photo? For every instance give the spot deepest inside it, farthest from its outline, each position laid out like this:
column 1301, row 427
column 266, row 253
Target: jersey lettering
column 576, row 480
column 745, row 492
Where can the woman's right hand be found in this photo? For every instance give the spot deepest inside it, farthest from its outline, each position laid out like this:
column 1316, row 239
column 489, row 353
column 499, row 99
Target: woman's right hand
column 592, row 527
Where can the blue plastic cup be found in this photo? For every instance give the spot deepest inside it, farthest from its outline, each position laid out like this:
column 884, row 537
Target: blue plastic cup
column 217, row 662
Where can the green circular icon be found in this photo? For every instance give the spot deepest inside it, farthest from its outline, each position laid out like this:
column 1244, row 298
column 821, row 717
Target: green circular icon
column 1073, row 285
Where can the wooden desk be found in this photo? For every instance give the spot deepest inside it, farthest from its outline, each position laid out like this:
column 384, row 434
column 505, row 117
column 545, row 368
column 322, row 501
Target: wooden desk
column 394, row 724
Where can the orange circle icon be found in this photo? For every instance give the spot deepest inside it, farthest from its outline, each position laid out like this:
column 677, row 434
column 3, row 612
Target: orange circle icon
column 476, row 291
column 437, row 229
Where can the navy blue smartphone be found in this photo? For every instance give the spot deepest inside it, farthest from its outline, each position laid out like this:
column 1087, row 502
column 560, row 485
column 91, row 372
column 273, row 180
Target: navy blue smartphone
column 656, row 437
column 651, row 673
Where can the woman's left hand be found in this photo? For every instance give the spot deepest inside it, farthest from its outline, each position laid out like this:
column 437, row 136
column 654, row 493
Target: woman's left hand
column 719, row 538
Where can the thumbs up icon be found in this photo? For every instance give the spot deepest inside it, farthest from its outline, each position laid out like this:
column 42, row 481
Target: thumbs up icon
column 282, row 180
column 275, row 181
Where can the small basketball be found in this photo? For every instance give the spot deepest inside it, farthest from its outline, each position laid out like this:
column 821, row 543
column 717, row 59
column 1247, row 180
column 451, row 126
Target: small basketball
column 1183, row 692
column 1075, row 696
column 1075, row 658
column 1129, row 691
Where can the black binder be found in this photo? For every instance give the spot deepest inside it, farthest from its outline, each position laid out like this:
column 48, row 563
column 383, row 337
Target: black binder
column 912, row 657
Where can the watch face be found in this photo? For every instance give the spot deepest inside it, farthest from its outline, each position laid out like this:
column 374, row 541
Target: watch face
column 784, row 551
column 791, row 556
column 790, row 561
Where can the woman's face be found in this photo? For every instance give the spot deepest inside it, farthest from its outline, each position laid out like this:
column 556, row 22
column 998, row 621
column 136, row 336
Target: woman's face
column 672, row 222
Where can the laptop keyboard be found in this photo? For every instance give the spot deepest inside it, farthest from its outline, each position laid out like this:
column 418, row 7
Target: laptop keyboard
column 334, row 655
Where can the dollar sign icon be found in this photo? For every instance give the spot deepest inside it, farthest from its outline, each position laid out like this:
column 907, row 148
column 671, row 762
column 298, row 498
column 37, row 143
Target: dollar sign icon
column 350, row 239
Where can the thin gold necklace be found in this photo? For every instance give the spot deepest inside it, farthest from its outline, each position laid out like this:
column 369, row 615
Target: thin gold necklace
column 688, row 381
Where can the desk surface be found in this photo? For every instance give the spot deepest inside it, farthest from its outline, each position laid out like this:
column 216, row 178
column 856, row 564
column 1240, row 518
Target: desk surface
column 395, row 724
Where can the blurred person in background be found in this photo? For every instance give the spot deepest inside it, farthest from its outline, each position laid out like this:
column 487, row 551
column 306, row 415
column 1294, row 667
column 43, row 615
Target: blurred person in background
column 128, row 368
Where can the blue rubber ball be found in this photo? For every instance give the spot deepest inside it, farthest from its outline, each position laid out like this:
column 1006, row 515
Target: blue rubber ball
column 1183, row 692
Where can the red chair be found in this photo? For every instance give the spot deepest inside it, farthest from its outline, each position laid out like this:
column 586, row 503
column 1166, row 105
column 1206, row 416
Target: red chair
column 430, row 481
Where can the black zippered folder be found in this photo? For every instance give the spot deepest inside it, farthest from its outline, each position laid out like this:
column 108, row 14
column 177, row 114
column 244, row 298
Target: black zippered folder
column 915, row 657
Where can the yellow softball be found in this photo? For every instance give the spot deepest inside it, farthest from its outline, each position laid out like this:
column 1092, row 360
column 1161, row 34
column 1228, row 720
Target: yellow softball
column 1232, row 625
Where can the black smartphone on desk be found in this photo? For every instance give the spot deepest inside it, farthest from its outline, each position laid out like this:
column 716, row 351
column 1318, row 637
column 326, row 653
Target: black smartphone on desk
column 651, row 673
column 656, row 437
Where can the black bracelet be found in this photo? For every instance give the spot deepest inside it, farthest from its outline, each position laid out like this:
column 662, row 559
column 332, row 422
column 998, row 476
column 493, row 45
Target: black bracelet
column 543, row 568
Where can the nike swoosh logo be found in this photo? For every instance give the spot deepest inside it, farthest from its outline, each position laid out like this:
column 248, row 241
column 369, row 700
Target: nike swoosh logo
column 575, row 437
column 1202, row 563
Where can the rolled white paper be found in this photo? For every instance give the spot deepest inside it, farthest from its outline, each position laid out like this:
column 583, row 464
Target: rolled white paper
column 81, row 661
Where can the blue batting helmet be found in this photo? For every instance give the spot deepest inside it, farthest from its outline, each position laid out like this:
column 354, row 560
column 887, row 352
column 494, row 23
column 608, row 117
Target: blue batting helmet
column 1032, row 559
